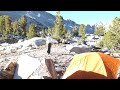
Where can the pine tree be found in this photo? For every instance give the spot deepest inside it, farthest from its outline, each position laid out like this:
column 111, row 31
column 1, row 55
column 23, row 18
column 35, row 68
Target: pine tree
column 75, row 31
column 99, row 31
column 112, row 36
column 31, row 31
column 22, row 22
column 5, row 26
column 8, row 28
column 115, row 29
column 15, row 28
column 59, row 28
column 81, row 29
column 68, row 34
column 44, row 33
column 49, row 30
column 2, row 24
column 63, row 32
column 82, row 32
column 2, row 27
column 109, row 39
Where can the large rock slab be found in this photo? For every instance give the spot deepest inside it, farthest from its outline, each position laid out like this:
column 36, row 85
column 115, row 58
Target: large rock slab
column 26, row 65
column 41, row 72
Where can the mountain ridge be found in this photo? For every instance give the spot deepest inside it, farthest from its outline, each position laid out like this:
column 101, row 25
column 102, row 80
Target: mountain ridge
column 43, row 19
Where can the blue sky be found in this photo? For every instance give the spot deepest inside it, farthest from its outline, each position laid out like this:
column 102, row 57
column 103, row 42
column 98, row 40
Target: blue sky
column 89, row 17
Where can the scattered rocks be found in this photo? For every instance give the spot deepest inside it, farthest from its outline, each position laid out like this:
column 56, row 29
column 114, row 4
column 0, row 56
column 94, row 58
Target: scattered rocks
column 59, row 54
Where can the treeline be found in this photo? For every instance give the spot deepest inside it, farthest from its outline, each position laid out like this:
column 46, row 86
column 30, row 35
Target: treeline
column 111, row 37
column 9, row 28
column 59, row 31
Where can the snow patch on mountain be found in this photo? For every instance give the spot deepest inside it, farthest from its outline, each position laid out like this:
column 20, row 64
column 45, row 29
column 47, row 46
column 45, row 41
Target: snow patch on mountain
column 71, row 26
column 28, row 15
column 38, row 15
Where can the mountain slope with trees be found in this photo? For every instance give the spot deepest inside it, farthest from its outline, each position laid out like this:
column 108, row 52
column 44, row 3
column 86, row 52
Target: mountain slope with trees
column 43, row 19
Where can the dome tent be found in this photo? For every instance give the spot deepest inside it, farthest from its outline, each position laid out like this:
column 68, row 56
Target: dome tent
column 92, row 65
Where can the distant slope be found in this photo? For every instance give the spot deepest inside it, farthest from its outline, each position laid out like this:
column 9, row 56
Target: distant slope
column 42, row 19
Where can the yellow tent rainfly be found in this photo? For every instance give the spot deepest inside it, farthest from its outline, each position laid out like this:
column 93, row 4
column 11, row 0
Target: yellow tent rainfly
column 92, row 65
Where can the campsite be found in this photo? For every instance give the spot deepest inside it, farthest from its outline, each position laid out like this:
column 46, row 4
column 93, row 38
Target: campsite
column 32, row 56
column 39, row 45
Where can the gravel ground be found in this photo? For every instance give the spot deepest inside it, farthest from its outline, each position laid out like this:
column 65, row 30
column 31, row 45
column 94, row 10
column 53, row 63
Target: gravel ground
column 58, row 55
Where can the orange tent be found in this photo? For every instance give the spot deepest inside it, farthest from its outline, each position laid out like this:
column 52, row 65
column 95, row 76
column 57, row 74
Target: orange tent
column 92, row 65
